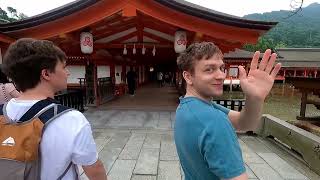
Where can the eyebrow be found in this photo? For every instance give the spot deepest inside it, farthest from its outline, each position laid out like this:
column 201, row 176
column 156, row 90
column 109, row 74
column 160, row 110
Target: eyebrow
column 214, row 65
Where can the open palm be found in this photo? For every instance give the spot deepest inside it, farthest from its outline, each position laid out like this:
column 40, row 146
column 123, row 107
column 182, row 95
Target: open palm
column 260, row 79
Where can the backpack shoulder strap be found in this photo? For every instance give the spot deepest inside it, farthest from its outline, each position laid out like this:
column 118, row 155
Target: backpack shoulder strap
column 45, row 110
column 1, row 109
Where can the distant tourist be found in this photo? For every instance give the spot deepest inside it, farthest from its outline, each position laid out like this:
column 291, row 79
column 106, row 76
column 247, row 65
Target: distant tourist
column 131, row 79
column 7, row 89
column 160, row 78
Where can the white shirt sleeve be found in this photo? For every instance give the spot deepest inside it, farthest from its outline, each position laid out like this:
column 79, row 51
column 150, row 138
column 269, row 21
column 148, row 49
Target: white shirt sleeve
column 84, row 149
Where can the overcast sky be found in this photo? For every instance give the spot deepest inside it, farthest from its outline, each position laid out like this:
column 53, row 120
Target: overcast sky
column 234, row 7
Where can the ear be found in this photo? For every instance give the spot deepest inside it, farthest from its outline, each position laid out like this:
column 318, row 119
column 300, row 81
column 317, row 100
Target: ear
column 187, row 77
column 45, row 74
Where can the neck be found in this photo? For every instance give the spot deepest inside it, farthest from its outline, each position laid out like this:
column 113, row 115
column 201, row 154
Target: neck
column 191, row 92
column 37, row 93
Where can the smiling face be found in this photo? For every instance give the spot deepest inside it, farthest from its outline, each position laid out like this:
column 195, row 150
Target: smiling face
column 207, row 78
column 203, row 70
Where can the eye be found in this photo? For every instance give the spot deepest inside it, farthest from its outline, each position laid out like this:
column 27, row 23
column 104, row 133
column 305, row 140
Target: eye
column 222, row 68
column 209, row 70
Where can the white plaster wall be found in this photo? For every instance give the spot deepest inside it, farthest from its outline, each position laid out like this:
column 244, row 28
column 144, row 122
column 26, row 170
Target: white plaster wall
column 103, row 71
column 75, row 73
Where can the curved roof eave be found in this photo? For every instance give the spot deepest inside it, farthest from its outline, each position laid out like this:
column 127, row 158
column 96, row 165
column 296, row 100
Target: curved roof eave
column 48, row 16
column 179, row 5
column 212, row 15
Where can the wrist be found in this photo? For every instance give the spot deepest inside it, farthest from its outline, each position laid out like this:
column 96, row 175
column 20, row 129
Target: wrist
column 254, row 98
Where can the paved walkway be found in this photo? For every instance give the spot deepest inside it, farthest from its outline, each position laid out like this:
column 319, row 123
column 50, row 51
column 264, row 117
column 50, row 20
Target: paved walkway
column 147, row 97
column 139, row 145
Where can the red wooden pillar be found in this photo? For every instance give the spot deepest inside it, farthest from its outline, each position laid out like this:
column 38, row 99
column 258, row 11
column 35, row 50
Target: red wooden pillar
column 227, row 69
column 95, row 84
column 113, row 73
column 123, row 73
column 284, row 73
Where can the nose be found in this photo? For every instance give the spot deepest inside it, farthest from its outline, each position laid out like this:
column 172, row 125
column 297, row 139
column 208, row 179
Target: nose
column 68, row 72
column 221, row 75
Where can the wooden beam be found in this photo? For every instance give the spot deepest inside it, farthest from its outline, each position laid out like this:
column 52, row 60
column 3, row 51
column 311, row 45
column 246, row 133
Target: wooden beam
column 129, row 11
column 157, row 38
column 123, row 38
column 6, row 39
column 114, row 31
column 120, row 45
column 196, row 24
column 75, row 21
column 140, row 26
column 112, row 28
column 160, row 28
column 112, row 17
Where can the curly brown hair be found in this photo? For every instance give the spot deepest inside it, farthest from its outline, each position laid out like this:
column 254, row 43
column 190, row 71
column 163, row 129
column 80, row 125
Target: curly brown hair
column 27, row 57
column 196, row 52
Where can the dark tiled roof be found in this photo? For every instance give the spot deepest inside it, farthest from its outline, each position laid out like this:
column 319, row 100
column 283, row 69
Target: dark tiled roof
column 179, row 5
column 299, row 57
column 211, row 15
column 239, row 53
column 48, row 16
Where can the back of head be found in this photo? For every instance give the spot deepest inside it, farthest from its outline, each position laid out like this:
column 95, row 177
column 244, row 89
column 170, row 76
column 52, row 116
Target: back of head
column 27, row 57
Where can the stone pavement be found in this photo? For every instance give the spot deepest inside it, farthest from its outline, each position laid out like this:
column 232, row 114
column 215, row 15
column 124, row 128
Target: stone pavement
column 139, row 145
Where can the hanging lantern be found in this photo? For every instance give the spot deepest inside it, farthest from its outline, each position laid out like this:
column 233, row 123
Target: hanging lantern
column 154, row 50
column 180, row 41
column 134, row 51
column 125, row 52
column 143, row 51
column 86, row 42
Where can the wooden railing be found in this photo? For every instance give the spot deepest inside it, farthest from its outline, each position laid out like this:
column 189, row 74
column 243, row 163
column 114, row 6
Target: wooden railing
column 71, row 98
column 105, row 89
column 233, row 104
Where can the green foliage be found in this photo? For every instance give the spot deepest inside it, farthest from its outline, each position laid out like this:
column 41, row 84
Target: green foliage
column 12, row 17
column 299, row 30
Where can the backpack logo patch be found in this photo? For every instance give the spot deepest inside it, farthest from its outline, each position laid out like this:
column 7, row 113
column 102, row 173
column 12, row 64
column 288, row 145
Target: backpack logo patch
column 8, row 142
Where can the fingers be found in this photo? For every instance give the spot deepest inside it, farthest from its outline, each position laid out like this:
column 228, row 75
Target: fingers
column 254, row 62
column 275, row 70
column 264, row 60
column 242, row 73
column 271, row 62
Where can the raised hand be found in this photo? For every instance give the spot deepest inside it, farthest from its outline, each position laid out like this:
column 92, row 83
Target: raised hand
column 259, row 81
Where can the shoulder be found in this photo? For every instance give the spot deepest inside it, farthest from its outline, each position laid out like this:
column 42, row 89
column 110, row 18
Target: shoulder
column 76, row 116
column 72, row 122
column 199, row 107
column 198, row 110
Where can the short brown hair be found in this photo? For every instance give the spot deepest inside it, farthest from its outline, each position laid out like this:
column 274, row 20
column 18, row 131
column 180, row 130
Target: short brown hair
column 27, row 57
column 197, row 51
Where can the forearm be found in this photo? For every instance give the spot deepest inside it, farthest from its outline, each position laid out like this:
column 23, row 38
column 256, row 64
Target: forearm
column 251, row 114
column 95, row 171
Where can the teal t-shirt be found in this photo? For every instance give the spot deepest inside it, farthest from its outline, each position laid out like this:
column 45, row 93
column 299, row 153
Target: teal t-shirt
column 206, row 141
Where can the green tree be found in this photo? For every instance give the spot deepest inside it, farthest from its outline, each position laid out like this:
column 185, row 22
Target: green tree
column 14, row 15
column 13, row 12
column 22, row 16
column 263, row 44
column 3, row 16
